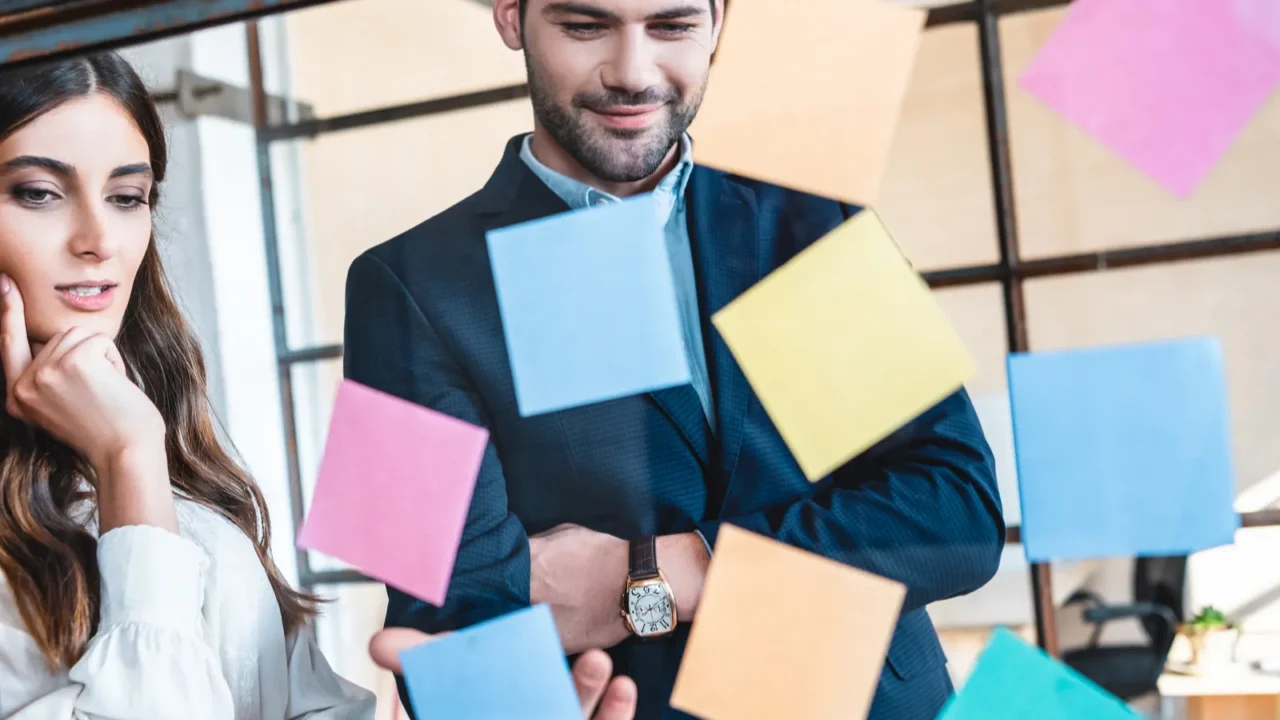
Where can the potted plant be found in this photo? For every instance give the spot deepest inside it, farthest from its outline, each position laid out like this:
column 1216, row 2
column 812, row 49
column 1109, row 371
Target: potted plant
column 1213, row 639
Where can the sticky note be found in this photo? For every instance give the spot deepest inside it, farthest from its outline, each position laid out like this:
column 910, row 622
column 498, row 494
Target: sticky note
column 1013, row 680
column 783, row 633
column 1123, row 450
column 843, row 344
column 1261, row 17
column 1165, row 84
column 509, row 667
column 393, row 490
column 829, row 128
column 588, row 306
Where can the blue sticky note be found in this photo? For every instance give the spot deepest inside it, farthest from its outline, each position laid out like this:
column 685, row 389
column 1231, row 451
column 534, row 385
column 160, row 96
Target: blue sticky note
column 1123, row 450
column 588, row 306
column 509, row 667
column 1013, row 681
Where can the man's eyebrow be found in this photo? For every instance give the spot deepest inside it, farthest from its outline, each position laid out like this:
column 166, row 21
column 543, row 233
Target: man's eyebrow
column 569, row 7
column 680, row 13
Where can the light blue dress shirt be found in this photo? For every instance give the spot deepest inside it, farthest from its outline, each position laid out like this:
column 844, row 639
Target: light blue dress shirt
column 670, row 195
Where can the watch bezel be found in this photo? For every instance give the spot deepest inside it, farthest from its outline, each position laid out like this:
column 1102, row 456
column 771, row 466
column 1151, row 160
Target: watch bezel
column 661, row 581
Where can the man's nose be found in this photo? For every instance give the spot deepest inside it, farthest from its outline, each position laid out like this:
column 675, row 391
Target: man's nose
column 633, row 67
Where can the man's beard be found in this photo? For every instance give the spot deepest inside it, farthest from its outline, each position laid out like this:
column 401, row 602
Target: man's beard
column 612, row 154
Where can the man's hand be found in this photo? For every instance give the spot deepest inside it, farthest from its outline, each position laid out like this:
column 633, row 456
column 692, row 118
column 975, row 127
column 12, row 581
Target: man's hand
column 581, row 574
column 616, row 698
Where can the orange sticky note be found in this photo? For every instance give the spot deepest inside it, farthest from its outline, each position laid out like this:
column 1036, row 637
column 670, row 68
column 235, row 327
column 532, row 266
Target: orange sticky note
column 783, row 633
column 807, row 93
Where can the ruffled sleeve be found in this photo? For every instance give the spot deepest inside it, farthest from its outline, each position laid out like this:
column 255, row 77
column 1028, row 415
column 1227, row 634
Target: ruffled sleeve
column 149, row 658
column 316, row 692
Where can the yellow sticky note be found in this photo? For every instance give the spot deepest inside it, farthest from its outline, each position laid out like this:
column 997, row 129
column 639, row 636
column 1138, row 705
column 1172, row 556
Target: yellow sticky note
column 843, row 345
column 783, row 633
column 807, row 93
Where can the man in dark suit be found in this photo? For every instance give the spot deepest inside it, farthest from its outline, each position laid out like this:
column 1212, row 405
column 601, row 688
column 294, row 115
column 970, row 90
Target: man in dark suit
column 578, row 507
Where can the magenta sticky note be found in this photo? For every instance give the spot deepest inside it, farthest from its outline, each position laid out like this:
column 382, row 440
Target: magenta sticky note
column 393, row 490
column 1165, row 84
column 1261, row 17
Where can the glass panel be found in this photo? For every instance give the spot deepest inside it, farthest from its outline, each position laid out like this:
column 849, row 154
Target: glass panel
column 977, row 311
column 351, row 56
column 965, row 623
column 1075, row 196
column 366, row 186
column 355, row 612
column 315, row 385
column 936, row 198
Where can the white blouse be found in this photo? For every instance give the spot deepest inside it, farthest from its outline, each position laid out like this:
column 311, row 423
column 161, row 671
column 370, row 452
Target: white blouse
column 189, row 629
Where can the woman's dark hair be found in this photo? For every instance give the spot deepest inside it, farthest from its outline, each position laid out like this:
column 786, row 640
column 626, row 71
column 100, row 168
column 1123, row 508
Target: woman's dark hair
column 47, row 555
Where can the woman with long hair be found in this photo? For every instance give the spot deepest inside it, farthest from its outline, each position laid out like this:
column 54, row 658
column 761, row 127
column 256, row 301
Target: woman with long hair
column 135, row 578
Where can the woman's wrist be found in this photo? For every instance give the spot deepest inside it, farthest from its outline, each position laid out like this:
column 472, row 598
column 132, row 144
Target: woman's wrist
column 133, row 489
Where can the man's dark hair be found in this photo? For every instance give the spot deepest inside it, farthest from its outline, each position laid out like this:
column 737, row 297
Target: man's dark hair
column 524, row 4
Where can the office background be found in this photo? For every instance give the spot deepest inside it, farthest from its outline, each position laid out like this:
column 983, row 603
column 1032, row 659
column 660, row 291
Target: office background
column 1033, row 234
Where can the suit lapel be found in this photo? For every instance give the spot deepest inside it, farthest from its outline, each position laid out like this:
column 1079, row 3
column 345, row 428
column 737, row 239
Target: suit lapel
column 514, row 195
column 729, row 259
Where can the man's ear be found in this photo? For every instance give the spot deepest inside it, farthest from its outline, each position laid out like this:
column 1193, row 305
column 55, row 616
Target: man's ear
column 719, row 24
column 506, row 18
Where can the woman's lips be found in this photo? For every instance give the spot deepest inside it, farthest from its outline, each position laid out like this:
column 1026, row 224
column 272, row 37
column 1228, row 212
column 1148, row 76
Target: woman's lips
column 100, row 298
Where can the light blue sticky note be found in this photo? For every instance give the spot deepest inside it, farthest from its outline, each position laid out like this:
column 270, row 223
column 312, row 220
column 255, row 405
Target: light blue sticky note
column 1013, row 681
column 588, row 306
column 509, row 667
column 1123, row 450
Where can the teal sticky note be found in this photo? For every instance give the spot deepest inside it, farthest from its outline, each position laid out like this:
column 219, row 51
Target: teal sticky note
column 509, row 667
column 1014, row 681
column 1123, row 450
column 588, row 306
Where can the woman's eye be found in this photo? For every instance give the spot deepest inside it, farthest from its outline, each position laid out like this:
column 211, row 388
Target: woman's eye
column 34, row 196
column 128, row 202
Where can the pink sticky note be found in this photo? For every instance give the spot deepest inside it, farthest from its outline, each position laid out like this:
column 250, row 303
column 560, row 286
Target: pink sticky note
column 1261, row 17
column 1165, row 84
column 393, row 490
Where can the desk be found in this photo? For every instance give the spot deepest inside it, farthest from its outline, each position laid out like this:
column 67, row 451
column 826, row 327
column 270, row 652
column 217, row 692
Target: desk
column 1239, row 693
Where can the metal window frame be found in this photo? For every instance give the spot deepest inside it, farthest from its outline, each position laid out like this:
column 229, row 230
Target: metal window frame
column 39, row 30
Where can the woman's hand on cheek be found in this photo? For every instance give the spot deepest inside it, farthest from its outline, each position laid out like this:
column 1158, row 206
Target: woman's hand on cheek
column 76, row 388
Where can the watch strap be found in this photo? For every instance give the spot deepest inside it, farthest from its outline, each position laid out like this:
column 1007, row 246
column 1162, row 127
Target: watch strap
column 644, row 558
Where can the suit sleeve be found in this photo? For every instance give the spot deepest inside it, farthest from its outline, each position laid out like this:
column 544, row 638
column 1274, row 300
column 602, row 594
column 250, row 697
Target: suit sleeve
column 392, row 346
column 921, row 507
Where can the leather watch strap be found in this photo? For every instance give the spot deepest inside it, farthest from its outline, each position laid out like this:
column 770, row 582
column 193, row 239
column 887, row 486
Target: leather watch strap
column 644, row 558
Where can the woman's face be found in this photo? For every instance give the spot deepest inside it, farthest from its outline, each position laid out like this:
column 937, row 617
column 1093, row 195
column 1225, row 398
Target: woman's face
column 74, row 215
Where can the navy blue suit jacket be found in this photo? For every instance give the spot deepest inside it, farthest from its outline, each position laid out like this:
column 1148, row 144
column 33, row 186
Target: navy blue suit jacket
column 921, row 507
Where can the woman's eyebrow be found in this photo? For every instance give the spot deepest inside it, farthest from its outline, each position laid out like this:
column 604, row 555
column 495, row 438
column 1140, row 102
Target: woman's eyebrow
column 35, row 161
column 143, row 169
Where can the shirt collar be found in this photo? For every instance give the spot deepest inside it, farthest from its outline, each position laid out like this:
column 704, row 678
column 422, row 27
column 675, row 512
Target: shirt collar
column 578, row 195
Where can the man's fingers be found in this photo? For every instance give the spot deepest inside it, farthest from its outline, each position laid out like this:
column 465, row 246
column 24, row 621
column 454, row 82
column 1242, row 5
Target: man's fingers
column 15, row 349
column 386, row 646
column 619, row 700
column 590, row 676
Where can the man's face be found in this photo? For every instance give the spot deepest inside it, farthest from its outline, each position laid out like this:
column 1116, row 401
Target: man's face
column 617, row 82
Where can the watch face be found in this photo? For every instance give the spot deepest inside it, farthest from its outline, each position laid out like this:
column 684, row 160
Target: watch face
column 650, row 609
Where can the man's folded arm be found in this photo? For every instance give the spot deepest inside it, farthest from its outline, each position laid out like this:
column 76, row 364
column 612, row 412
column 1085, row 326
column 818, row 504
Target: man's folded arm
column 391, row 345
column 921, row 507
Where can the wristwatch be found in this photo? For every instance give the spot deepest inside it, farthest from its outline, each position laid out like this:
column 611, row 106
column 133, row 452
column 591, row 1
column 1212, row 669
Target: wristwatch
column 648, row 607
